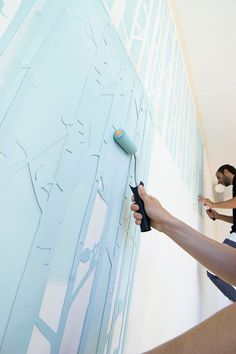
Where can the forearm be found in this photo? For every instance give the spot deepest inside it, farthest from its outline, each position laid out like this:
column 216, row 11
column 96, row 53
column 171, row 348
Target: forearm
column 227, row 204
column 225, row 218
column 215, row 335
column 218, row 258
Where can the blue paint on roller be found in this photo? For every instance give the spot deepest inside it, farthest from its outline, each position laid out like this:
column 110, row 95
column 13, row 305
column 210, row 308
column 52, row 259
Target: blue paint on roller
column 122, row 138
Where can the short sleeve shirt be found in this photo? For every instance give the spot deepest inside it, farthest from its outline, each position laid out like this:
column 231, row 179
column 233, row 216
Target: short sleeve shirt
column 234, row 210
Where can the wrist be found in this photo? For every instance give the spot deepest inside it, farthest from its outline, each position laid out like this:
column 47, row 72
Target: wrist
column 169, row 225
column 163, row 224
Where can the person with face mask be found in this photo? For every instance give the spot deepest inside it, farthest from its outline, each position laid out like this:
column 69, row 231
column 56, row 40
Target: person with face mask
column 225, row 176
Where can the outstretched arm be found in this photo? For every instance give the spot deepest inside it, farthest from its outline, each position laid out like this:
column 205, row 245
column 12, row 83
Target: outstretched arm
column 226, row 204
column 216, row 216
column 216, row 334
column 218, row 258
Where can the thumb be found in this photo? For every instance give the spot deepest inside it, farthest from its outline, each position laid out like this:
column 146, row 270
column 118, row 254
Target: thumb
column 142, row 193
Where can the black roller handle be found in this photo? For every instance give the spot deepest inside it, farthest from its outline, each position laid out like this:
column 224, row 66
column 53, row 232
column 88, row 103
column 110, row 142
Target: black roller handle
column 145, row 223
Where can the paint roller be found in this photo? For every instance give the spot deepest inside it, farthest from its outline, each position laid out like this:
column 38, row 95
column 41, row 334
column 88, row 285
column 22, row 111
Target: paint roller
column 124, row 141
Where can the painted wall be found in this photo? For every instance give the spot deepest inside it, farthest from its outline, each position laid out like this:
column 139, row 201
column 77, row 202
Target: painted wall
column 70, row 246
column 148, row 32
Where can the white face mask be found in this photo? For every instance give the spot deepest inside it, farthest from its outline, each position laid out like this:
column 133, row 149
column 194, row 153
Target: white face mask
column 219, row 188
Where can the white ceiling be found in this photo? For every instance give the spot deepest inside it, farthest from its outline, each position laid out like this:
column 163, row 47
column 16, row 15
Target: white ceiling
column 209, row 35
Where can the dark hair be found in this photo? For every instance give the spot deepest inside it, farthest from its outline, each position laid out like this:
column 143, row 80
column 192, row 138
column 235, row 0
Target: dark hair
column 227, row 167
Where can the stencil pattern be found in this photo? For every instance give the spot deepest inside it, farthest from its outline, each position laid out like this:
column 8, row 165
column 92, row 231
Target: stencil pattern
column 68, row 248
column 148, row 34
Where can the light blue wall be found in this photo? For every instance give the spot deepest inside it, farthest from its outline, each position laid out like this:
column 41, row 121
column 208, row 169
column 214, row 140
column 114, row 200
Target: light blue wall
column 68, row 245
column 152, row 43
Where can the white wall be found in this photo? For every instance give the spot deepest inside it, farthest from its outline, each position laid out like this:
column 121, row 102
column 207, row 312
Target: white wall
column 212, row 299
column 166, row 296
column 171, row 291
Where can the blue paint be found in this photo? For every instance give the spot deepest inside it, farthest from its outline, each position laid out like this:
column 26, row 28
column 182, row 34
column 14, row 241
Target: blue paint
column 1, row 7
column 85, row 256
column 22, row 12
column 121, row 138
column 58, row 110
column 58, row 147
